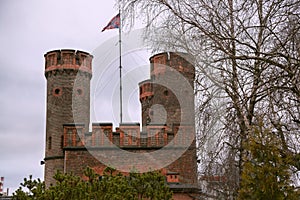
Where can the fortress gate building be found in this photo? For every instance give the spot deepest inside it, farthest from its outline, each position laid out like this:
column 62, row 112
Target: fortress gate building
column 71, row 147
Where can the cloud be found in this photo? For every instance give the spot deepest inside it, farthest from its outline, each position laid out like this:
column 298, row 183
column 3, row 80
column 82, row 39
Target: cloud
column 28, row 30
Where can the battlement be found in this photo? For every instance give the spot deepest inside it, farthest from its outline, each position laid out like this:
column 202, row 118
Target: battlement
column 181, row 62
column 146, row 89
column 126, row 135
column 68, row 59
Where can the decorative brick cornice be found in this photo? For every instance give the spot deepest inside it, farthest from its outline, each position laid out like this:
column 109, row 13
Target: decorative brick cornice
column 66, row 59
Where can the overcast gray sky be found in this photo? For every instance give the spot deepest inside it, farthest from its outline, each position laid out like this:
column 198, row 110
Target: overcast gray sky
column 29, row 29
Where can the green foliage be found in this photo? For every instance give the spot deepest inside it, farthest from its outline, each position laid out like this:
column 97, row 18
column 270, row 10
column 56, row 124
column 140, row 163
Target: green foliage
column 35, row 190
column 135, row 186
column 265, row 174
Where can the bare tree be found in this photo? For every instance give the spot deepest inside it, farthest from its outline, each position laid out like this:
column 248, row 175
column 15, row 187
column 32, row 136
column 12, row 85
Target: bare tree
column 248, row 68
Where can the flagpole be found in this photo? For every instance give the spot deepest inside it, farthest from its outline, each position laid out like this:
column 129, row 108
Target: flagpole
column 116, row 23
column 120, row 66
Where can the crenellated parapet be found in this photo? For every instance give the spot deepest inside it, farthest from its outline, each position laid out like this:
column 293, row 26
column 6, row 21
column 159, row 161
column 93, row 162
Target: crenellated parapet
column 163, row 62
column 68, row 60
column 129, row 134
column 126, row 135
column 73, row 134
column 101, row 135
column 157, row 135
column 146, row 90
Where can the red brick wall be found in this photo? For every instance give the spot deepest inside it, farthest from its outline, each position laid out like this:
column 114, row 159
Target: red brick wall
column 183, row 196
column 186, row 166
column 77, row 160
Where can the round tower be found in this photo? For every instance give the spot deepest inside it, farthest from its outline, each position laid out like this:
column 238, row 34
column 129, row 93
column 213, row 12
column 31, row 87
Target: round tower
column 68, row 74
column 167, row 99
column 159, row 103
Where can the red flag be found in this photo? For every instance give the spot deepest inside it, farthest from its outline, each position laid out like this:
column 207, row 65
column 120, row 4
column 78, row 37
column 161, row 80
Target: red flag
column 113, row 23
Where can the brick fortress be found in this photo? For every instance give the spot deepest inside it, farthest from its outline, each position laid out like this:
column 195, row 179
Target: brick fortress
column 71, row 147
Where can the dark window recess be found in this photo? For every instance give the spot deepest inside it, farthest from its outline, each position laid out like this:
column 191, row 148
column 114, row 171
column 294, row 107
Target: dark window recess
column 166, row 93
column 79, row 91
column 57, row 91
column 77, row 60
column 50, row 143
column 62, row 142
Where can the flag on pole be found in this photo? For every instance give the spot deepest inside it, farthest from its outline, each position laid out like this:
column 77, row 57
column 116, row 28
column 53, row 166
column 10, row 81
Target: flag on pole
column 113, row 23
